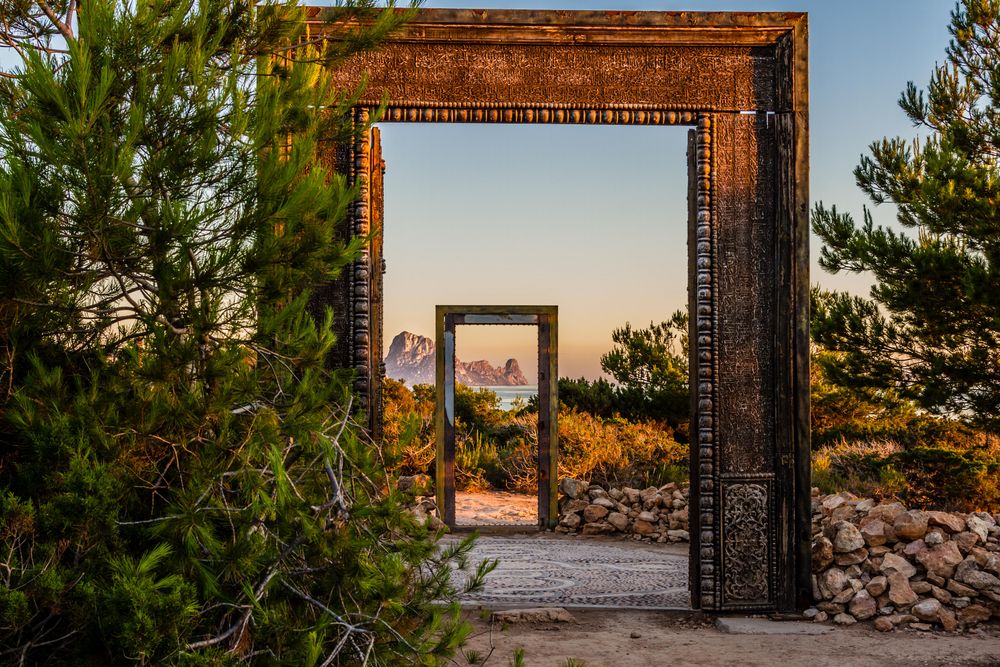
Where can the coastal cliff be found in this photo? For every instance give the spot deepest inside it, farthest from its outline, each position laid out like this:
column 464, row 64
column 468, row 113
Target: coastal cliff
column 411, row 359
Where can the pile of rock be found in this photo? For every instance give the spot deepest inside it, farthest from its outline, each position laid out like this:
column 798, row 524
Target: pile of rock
column 423, row 504
column 872, row 561
column 424, row 508
column 650, row 515
column 903, row 568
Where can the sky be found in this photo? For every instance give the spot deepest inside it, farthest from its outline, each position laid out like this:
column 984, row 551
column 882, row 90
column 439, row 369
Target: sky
column 592, row 218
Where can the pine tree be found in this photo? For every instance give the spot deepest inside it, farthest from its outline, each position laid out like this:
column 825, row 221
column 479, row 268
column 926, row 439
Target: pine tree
column 180, row 479
column 651, row 368
column 931, row 329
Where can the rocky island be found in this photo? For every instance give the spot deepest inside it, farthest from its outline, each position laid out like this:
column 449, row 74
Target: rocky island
column 411, row 359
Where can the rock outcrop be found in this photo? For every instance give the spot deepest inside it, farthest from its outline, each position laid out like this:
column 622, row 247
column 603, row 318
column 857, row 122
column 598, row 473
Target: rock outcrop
column 482, row 373
column 411, row 359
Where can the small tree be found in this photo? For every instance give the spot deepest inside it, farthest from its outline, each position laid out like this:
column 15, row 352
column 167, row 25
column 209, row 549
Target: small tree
column 180, row 481
column 651, row 368
column 931, row 330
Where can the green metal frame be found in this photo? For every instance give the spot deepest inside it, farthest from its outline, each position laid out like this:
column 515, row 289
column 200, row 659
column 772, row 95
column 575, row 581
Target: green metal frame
column 546, row 319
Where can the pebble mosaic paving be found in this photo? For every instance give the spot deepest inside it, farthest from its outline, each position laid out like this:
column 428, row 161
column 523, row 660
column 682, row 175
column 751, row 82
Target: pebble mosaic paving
column 547, row 570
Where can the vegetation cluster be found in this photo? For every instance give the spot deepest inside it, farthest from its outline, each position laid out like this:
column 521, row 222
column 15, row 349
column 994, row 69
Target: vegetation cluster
column 632, row 433
column 497, row 449
column 907, row 394
column 181, row 478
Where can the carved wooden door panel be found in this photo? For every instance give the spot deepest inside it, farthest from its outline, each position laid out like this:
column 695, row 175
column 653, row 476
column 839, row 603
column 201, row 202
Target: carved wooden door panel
column 744, row 478
column 376, row 208
column 694, row 530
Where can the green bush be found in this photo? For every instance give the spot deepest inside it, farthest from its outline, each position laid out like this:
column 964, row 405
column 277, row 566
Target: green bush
column 618, row 452
column 669, row 405
column 931, row 477
column 181, row 481
column 477, row 464
column 499, row 449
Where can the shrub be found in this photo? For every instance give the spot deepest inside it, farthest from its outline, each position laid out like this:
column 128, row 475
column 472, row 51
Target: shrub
column 180, row 478
column 597, row 398
column 477, row 464
column 932, row 477
column 408, row 428
column 498, row 449
column 602, row 451
column 619, row 452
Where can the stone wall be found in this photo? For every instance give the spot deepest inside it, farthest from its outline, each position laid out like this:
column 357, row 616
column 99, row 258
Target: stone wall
column 651, row 515
column 879, row 562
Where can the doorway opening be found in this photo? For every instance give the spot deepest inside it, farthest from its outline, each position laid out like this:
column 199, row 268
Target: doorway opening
column 593, row 218
column 496, row 453
column 740, row 81
column 546, row 455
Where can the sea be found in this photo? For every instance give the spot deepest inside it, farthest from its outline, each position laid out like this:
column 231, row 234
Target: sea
column 507, row 394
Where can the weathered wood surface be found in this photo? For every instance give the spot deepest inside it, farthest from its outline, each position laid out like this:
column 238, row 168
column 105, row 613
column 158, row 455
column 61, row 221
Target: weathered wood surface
column 546, row 318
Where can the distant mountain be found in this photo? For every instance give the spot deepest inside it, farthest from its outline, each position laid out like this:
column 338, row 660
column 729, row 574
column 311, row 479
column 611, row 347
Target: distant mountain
column 411, row 359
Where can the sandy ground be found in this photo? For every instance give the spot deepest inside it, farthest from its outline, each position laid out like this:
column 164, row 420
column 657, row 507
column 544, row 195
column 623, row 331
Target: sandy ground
column 495, row 508
column 605, row 639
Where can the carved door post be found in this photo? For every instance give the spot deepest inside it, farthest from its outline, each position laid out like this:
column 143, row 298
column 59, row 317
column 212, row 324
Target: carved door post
column 376, row 262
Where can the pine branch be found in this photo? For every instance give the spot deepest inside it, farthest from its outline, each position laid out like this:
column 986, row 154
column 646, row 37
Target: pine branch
column 64, row 29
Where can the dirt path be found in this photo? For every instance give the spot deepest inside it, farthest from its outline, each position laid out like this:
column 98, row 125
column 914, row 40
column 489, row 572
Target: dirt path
column 605, row 639
column 495, row 508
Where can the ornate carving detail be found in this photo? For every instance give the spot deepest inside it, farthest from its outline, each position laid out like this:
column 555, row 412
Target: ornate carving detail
column 746, row 301
column 706, row 328
column 361, row 269
column 586, row 114
column 746, row 548
column 668, row 76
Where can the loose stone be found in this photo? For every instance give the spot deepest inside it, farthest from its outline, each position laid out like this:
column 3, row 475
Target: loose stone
column 941, row 560
column 862, row 606
column 927, row 610
column 978, row 526
column 900, row 592
column 573, row 488
column 883, row 624
column 594, row 513
column 877, row 585
column 618, row 520
column 894, row 563
column 910, row 525
column 822, row 553
column 974, row 613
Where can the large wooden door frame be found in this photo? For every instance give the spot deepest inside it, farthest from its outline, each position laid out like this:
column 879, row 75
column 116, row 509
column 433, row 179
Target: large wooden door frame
column 546, row 318
column 741, row 81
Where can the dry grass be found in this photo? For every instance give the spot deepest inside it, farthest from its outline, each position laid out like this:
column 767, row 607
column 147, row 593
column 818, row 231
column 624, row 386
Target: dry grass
column 603, row 451
column 946, row 475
